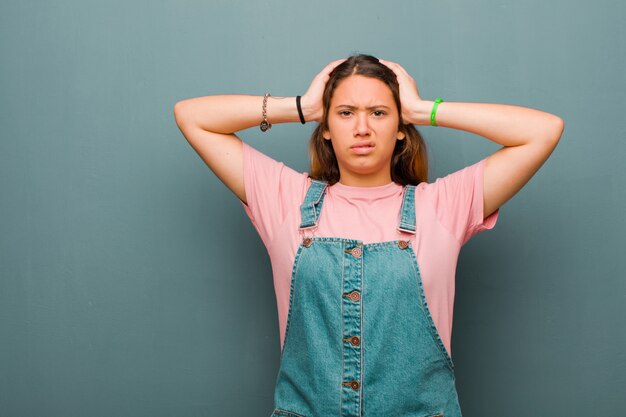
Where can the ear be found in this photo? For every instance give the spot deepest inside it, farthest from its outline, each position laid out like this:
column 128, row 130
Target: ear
column 326, row 134
column 401, row 135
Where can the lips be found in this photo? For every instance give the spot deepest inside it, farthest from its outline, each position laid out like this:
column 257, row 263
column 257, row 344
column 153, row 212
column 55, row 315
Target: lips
column 364, row 147
column 363, row 144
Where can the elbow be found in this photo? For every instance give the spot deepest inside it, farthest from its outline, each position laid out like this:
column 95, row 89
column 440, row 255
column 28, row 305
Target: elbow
column 559, row 128
column 555, row 131
column 179, row 112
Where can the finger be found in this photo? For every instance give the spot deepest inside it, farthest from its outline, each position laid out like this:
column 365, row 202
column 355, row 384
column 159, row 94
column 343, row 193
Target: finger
column 328, row 68
column 333, row 64
column 394, row 65
column 388, row 63
column 391, row 65
column 397, row 68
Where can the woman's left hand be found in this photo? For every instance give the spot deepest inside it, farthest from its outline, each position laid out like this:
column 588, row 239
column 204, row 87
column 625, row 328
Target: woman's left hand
column 410, row 101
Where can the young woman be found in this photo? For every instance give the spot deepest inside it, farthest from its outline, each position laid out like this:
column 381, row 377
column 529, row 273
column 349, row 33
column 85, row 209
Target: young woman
column 363, row 248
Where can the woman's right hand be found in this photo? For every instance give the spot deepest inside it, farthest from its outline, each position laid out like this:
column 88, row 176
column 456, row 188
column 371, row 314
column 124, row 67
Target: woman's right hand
column 311, row 101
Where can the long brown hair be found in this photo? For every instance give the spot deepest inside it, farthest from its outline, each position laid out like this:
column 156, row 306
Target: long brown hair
column 409, row 161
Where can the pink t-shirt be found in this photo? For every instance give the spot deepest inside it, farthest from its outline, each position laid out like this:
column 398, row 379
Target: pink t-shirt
column 448, row 213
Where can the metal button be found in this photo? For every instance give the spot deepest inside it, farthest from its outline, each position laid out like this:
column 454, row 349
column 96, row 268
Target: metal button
column 352, row 384
column 354, row 296
column 307, row 241
column 403, row 244
column 356, row 252
column 355, row 340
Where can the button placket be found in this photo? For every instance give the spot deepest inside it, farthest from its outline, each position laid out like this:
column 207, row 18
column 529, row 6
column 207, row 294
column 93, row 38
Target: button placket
column 352, row 322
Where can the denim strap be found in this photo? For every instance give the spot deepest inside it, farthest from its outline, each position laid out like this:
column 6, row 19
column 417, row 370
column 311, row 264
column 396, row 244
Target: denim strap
column 407, row 211
column 309, row 211
column 311, row 208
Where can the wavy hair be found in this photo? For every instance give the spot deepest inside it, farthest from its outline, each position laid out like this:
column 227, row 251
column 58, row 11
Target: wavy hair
column 409, row 161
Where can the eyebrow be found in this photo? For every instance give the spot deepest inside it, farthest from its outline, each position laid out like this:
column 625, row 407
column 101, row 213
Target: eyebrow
column 368, row 108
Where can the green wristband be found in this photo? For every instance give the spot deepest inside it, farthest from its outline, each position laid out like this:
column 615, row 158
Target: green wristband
column 432, row 114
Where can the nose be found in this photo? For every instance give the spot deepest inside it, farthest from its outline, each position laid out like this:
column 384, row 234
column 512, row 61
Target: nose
column 362, row 126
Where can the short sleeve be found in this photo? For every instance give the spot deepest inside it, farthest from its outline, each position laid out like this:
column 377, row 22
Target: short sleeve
column 272, row 190
column 458, row 200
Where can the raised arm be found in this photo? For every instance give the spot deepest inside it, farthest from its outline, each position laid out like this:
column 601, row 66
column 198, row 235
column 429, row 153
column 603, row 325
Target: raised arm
column 208, row 123
column 528, row 136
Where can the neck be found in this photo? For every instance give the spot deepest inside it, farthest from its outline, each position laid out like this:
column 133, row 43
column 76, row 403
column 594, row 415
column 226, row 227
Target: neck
column 374, row 180
column 365, row 181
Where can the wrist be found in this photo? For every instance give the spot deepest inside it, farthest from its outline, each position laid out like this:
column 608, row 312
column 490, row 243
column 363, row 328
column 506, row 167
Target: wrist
column 420, row 113
column 307, row 111
column 281, row 109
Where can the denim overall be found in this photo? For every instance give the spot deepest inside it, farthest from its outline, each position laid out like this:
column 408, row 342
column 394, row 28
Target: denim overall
column 360, row 340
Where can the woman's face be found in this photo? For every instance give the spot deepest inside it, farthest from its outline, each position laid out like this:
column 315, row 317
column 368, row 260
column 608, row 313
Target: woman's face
column 362, row 109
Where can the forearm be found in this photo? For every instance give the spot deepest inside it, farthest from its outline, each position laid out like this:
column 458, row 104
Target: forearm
column 235, row 112
column 505, row 124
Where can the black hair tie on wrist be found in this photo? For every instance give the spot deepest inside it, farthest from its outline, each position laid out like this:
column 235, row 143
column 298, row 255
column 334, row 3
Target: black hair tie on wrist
column 299, row 109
